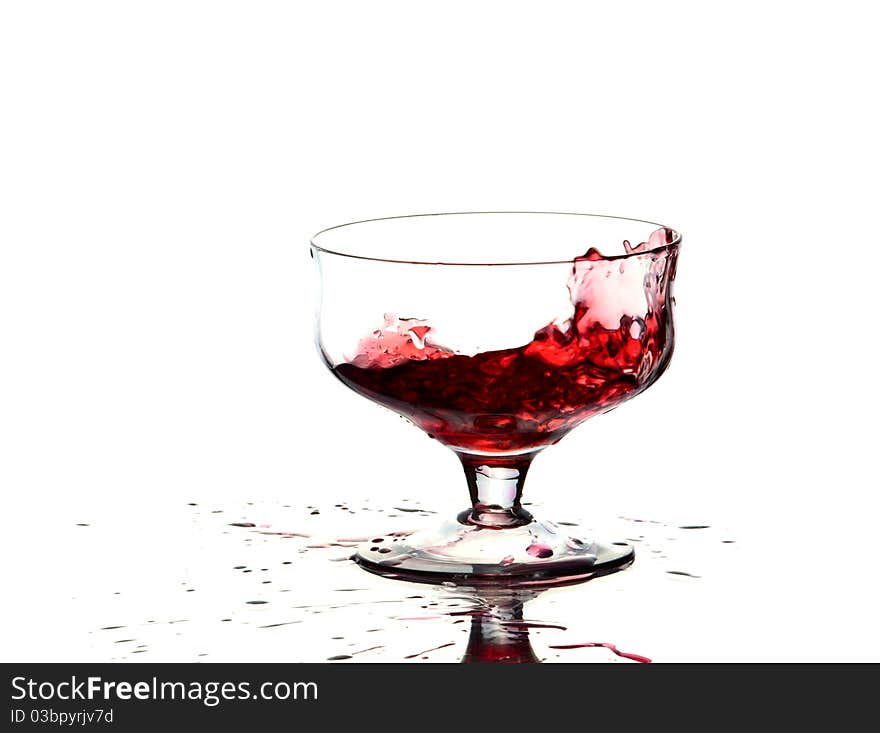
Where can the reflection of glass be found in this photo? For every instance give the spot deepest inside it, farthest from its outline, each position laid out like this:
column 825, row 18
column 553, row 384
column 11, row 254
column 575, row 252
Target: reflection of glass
column 498, row 632
column 497, row 334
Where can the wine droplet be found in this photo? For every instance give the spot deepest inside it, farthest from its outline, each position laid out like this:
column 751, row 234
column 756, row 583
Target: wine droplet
column 540, row 550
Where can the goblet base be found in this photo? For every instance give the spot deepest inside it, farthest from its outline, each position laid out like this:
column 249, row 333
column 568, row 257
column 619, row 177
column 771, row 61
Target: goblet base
column 533, row 554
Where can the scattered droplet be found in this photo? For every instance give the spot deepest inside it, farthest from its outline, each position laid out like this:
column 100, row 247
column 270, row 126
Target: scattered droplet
column 434, row 649
column 283, row 623
column 539, row 550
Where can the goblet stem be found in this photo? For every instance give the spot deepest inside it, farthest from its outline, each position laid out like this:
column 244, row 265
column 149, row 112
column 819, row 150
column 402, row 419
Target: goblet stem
column 496, row 485
column 496, row 541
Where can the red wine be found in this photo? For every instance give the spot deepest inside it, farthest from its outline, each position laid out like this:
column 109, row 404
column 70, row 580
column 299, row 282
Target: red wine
column 604, row 645
column 617, row 341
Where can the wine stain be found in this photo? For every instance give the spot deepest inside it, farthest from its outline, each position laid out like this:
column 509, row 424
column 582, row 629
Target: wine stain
column 604, row 645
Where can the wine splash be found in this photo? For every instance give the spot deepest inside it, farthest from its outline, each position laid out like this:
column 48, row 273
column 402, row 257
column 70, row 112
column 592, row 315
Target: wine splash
column 615, row 343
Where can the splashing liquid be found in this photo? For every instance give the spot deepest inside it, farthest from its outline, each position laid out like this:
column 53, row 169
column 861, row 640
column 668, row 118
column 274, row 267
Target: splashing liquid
column 617, row 341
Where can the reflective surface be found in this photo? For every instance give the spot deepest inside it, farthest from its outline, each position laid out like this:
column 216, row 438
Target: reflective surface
column 273, row 582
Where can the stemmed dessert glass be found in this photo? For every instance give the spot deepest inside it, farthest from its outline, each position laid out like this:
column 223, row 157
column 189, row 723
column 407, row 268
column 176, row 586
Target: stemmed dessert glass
column 496, row 333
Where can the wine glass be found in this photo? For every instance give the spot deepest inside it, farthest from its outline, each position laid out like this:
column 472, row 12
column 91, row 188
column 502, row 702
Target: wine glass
column 496, row 333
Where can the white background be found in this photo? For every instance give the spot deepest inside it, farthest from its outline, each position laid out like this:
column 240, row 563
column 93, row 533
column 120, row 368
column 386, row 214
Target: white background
column 163, row 164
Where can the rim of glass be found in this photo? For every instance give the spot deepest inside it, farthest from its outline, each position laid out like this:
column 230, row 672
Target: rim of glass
column 676, row 239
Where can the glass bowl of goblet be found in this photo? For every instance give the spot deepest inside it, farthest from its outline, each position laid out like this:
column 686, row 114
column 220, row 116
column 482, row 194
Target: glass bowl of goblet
column 496, row 333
